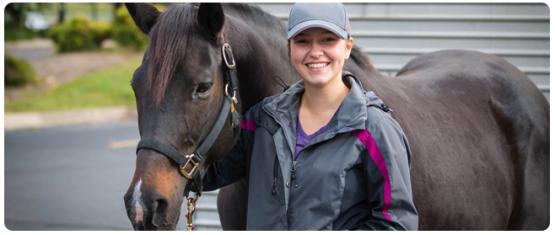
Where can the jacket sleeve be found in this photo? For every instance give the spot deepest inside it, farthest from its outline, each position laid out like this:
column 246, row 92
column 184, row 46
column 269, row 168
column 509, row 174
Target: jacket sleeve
column 234, row 165
column 386, row 163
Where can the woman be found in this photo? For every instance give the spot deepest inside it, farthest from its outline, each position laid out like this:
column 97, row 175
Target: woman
column 325, row 154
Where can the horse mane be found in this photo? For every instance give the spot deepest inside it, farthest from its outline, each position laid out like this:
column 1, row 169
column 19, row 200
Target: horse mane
column 169, row 39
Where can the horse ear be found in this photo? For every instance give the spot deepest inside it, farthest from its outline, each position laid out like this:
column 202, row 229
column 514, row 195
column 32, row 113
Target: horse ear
column 211, row 17
column 144, row 15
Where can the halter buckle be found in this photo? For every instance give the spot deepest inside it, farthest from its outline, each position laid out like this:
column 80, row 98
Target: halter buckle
column 233, row 97
column 226, row 51
column 193, row 167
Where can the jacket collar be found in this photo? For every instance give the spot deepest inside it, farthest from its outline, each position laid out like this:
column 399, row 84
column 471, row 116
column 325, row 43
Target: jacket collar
column 350, row 116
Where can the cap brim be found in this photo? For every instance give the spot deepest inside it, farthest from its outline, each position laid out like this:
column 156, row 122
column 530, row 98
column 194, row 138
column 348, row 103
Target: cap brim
column 317, row 24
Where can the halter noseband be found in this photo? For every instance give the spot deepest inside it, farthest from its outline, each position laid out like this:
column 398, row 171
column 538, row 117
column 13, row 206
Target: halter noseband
column 189, row 164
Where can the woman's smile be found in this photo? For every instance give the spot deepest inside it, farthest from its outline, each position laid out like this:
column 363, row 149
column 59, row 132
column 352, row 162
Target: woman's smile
column 317, row 65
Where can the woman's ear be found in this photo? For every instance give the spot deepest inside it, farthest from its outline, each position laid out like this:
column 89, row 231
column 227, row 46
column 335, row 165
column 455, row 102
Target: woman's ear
column 289, row 48
column 348, row 47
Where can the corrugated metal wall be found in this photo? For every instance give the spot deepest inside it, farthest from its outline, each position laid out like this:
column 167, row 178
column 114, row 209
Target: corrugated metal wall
column 394, row 33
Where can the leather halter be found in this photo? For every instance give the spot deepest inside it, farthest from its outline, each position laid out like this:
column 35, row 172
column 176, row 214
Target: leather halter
column 189, row 164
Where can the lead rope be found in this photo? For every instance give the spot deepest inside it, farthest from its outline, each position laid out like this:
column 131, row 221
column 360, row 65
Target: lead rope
column 191, row 207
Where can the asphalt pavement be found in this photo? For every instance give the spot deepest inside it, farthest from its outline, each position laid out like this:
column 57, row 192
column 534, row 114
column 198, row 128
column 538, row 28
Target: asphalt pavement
column 70, row 177
column 60, row 176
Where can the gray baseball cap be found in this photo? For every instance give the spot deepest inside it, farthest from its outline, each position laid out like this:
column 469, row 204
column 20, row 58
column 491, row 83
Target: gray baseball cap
column 330, row 16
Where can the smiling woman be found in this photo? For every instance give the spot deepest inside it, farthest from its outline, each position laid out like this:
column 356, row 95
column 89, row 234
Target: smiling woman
column 316, row 120
column 318, row 55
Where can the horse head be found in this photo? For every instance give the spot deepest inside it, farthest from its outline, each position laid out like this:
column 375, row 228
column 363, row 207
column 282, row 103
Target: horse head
column 179, row 91
column 185, row 88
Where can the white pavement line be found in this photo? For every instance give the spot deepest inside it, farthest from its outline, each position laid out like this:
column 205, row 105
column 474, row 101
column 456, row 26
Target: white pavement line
column 117, row 144
column 13, row 121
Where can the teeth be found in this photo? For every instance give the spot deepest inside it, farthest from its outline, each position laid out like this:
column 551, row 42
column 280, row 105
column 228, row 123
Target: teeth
column 320, row 65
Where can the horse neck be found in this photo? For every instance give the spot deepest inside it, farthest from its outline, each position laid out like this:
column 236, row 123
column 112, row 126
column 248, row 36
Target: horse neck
column 262, row 62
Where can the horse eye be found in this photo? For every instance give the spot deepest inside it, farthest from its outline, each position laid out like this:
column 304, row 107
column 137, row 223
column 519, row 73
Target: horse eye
column 202, row 89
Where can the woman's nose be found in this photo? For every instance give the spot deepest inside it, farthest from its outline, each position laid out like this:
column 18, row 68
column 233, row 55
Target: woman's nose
column 316, row 50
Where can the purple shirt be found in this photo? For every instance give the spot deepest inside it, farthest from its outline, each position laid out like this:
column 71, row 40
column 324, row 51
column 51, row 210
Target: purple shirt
column 303, row 139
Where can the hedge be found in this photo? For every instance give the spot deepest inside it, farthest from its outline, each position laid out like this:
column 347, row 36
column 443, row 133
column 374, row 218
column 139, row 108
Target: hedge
column 126, row 33
column 80, row 34
column 17, row 72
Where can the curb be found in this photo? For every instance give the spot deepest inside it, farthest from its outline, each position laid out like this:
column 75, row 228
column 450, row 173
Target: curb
column 15, row 121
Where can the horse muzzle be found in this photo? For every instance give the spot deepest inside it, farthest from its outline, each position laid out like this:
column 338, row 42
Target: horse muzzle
column 153, row 200
column 151, row 212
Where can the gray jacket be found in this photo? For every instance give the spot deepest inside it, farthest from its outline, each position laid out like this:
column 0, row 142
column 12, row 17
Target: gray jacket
column 355, row 175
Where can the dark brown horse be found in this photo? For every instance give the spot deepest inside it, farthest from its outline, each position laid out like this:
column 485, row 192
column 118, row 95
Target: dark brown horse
column 478, row 127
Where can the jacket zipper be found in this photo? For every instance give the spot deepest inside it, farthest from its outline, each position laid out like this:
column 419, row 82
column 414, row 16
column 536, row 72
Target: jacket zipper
column 292, row 178
column 293, row 171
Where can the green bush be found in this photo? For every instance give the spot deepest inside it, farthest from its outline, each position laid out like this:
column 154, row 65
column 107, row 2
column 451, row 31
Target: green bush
column 126, row 33
column 17, row 72
column 14, row 34
column 80, row 34
column 102, row 31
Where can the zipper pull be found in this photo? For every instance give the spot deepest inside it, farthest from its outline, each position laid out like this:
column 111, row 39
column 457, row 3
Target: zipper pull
column 293, row 170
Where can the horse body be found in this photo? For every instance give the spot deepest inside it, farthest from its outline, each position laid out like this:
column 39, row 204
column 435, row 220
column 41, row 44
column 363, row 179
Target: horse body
column 477, row 127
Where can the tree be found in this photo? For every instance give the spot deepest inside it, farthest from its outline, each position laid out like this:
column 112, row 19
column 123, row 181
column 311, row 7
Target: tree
column 15, row 14
column 61, row 13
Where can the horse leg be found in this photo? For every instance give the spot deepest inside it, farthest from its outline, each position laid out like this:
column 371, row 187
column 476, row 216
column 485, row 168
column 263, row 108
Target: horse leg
column 232, row 206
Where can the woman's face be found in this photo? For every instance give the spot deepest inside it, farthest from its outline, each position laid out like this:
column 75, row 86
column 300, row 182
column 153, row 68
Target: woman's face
column 318, row 55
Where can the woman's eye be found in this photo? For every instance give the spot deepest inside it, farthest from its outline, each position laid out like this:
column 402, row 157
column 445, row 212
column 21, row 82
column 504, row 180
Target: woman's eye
column 301, row 41
column 329, row 40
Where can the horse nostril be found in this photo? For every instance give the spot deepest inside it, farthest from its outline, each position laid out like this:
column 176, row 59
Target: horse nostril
column 160, row 207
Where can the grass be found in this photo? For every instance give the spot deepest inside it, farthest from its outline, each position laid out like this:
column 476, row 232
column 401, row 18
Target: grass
column 104, row 88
